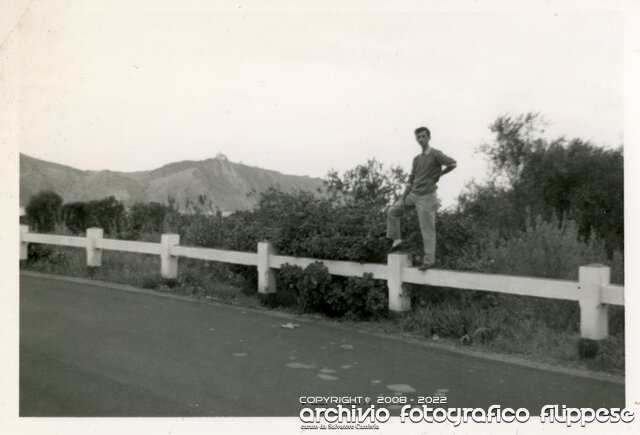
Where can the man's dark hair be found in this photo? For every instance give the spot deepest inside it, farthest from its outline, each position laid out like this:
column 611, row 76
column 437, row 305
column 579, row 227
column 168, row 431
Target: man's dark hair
column 420, row 129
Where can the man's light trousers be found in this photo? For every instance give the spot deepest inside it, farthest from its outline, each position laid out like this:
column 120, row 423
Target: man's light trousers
column 425, row 206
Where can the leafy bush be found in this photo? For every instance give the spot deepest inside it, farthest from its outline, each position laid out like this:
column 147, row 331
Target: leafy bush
column 108, row 214
column 38, row 252
column 74, row 217
column 146, row 218
column 287, row 282
column 313, row 287
column 307, row 288
column 358, row 297
column 142, row 219
column 377, row 302
column 205, row 231
column 43, row 211
column 545, row 249
column 313, row 290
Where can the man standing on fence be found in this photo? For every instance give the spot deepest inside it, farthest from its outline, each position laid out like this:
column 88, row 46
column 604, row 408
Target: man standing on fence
column 427, row 168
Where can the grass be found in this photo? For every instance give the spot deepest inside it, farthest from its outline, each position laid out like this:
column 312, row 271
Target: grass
column 539, row 330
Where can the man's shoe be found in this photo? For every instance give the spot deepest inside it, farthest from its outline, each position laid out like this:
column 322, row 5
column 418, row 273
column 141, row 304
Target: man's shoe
column 425, row 267
column 399, row 247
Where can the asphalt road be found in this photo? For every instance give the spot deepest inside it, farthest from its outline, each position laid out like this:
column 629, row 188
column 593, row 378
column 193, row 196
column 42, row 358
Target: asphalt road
column 92, row 350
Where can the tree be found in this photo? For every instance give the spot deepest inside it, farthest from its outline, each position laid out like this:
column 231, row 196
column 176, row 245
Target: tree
column 370, row 184
column 515, row 141
column 580, row 182
column 43, row 211
column 566, row 179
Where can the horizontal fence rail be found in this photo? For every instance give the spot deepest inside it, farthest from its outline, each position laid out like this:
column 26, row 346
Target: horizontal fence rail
column 48, row 239
column 129, row 246
column 515, row 285
column 233, row 257
column 341, row 268
column 612, row 294
column 592, row 291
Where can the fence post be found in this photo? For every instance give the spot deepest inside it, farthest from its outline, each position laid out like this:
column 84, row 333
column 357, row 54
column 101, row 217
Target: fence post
column 266, row 275
column 594, row 318
column 399, row 300
column 24, row 246
column 168, row 262
column 94, row 255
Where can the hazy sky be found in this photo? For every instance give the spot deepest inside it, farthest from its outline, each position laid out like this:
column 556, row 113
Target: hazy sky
column 133, row 85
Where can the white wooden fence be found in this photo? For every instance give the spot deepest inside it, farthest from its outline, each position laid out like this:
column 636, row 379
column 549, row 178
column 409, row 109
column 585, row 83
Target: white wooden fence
column 592, row 291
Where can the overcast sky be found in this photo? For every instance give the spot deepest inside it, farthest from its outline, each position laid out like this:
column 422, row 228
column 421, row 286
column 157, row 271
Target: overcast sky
column 133, row 85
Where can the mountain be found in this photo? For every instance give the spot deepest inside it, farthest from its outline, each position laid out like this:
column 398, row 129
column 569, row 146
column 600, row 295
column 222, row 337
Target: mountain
column 225, row 184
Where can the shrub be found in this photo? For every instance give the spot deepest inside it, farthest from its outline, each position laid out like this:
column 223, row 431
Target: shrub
column 74, row 217
column 313, row 290
column 287, row 281
column 313, row 287
column 37, row 252
column 301, row 224
column 108, row 214
column 545, row 249
column 377, row 301
column 338, row 301
column 205, row 231
column 146, row 218
column 357, row 297
column 43, row 211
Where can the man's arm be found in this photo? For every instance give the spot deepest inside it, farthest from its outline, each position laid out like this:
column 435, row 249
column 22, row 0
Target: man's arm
column 448, row 168
column 405, row 194
column 410, row 182
column 448, row 163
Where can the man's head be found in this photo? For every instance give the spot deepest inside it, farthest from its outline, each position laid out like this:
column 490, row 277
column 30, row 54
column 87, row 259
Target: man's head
column 423, row 135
